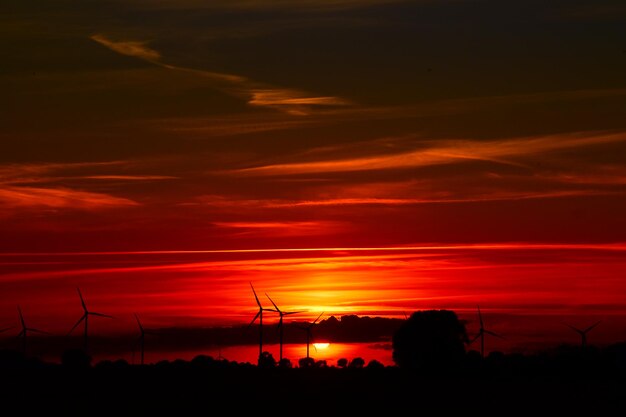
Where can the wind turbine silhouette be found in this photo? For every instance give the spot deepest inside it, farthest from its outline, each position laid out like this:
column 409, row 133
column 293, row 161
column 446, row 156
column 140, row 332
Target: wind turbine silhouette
column 142, row 337
column 481, row 334
column 25, row 329
column 85, row 318
column 583, row 333
column 280, row 322
column 309, row 336
column 259, row 315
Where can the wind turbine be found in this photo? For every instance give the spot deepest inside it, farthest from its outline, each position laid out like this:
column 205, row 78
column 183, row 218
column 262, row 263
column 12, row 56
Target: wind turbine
column 259, row 315
column 85, row 318
column 481, row 334
column 583, row 333
column 25, row 330
column 308, row 329
column 142, row 337
column 280, row 322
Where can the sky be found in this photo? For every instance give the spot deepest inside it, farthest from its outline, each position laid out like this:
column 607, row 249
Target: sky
column 346, row 156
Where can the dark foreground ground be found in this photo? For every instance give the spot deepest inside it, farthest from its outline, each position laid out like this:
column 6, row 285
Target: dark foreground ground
column 224, row 390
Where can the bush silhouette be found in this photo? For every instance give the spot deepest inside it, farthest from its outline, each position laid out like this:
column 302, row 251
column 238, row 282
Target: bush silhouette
column 430, row 340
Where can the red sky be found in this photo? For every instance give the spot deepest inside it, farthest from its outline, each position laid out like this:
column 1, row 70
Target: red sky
column 418, row 154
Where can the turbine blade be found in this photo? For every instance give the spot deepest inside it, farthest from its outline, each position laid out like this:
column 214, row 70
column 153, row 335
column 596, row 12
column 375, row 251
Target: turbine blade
column 292, row 312
column 574, row 328
column 82, row 301
column 20, row 334
column 19, row 309
column 494, row 334
column 254, row 319
column 588, row 329
column 101, row 315
column 38, row 331
column 474, row 339
column 480, row 317
column 139, row 323
column 77, row 323
column 318, row 317
column 5, row 329
column 255, row 296
column 273, row 303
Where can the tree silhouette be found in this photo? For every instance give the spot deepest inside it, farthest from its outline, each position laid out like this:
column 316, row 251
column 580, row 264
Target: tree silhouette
column 321, row 364
column 357, row 362
column 430, row 340
column 266, row 360
column 306, row 362
column 374, row 364
column 284, row 363
column 342, row 363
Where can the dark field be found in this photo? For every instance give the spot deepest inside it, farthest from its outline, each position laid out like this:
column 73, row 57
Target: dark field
column 500, row 386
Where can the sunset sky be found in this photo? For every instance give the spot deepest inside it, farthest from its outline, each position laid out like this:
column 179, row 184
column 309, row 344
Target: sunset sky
column 346, row 156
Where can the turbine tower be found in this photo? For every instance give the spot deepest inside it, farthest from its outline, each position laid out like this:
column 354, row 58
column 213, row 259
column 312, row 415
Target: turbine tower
column 25, row 329
column 481, row 334
column 309, row 336
column 280, row 322
column 583, row 333
column 259, row 315
column 85, row 318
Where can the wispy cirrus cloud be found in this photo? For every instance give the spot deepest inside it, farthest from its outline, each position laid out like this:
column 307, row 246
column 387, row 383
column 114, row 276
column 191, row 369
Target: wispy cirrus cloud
column 291, row 101
column 57, row 198
column 283, row 228
column 50, row 172
column 496, row 195
column 506, row 151
column 130, row 48
column 47, row 185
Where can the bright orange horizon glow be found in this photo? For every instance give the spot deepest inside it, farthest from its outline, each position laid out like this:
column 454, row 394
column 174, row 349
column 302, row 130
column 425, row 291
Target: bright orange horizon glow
column 511, row 281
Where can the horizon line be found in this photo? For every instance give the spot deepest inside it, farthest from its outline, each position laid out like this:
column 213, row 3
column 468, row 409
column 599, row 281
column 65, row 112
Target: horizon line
column 616, row 246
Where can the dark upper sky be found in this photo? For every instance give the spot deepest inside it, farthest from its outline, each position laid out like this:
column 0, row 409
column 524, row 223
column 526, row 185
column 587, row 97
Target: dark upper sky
column 136, row 125
column 181, row 108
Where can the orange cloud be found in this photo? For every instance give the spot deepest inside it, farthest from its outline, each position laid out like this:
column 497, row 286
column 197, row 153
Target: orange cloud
column 25, row 197
column 290, row 101
column 444, row 152
column 283, row 228
column 129, row 48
